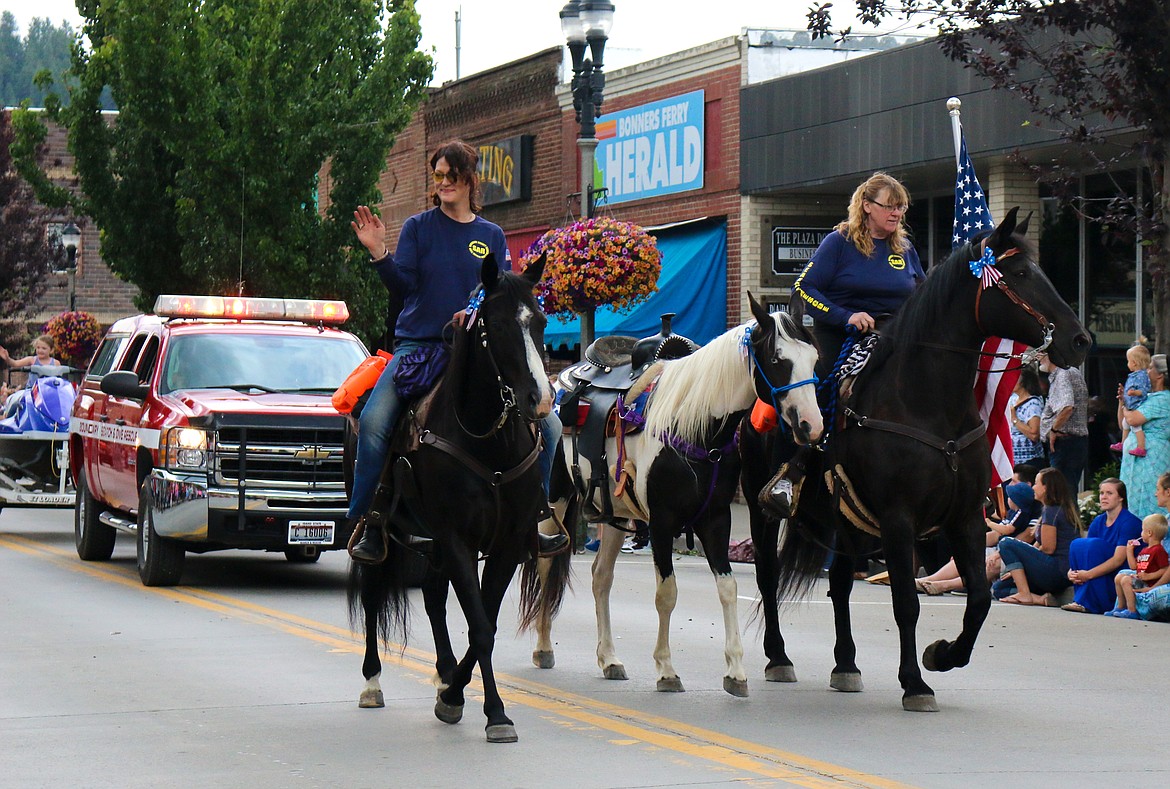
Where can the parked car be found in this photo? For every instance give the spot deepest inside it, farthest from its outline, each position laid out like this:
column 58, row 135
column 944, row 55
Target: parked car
column 207, row 426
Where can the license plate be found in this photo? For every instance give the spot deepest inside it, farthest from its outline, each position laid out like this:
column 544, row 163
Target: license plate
column 310, row 532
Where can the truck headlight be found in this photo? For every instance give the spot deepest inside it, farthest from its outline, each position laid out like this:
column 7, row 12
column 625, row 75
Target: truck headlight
column 185, row 448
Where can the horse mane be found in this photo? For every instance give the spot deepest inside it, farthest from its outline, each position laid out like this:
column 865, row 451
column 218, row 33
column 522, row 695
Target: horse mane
column 931, row 305
column 711, row 383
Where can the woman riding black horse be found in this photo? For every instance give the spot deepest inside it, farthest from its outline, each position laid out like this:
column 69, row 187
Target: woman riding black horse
column 907, row 470
column 468, row 471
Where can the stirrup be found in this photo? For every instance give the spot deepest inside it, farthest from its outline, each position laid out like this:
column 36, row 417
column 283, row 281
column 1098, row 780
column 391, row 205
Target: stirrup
column 371, row 550
column 781, row 496
column 549, row 545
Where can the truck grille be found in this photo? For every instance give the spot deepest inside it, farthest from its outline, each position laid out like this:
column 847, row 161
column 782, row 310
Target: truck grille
column 285, row 457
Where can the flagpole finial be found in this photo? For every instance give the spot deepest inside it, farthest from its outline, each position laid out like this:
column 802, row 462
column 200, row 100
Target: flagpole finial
column 953, row 105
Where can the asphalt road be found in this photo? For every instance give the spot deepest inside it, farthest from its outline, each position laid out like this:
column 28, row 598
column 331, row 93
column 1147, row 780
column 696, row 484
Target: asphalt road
column 248, row 675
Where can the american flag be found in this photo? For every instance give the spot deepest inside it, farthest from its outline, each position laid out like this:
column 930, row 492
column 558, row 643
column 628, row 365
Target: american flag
column 993, row 384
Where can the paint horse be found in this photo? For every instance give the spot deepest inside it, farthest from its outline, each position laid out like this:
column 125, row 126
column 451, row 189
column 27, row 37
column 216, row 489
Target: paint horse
column 685, row 467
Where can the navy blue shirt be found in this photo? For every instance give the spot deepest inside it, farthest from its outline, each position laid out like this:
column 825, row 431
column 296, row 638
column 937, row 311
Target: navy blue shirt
column 839, row 281
column 435, row 267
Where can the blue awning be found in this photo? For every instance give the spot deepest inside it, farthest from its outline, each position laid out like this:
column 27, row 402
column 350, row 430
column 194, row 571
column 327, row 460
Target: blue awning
column 693, row 284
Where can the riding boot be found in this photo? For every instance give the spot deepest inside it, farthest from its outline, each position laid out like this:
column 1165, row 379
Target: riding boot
column 371, row 546
column 780, row 496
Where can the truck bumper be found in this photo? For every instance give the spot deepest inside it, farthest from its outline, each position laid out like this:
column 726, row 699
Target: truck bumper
column 187, row 508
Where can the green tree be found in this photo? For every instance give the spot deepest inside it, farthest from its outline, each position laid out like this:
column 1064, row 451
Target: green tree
column 26, row 254
column 45, row 48
column 1087, row 68
column 206, row 180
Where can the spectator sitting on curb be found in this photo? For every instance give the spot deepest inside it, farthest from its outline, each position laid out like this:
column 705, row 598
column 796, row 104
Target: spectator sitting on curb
column 1148, row 566
column 1095, row 558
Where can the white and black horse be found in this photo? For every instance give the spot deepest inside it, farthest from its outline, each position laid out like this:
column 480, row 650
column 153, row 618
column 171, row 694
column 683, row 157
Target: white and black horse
column 686, row 468
column 477, row 488
column 915, row 453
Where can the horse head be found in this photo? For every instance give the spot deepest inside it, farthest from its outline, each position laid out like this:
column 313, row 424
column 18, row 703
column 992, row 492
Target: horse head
column 785, row 354
column 1022, row 304
column 511, row 329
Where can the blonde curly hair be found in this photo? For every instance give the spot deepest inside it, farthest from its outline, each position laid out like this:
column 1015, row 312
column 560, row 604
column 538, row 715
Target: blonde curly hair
column 855, row 228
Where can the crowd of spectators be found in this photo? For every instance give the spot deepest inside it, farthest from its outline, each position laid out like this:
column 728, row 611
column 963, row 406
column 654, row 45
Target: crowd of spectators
column 1117, row 564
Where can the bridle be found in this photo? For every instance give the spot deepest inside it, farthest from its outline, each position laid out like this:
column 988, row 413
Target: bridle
column 773, row 390
column 494, row 479
column 506, row 392
column 986, row 270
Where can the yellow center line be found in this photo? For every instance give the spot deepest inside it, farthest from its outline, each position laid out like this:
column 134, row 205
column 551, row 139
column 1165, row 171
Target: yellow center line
column 671, row 735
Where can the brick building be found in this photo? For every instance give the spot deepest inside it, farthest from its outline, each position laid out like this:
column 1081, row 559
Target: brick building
column 96, row 289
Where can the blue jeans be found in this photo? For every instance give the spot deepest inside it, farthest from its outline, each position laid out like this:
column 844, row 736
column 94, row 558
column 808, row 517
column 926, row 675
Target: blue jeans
column 377, row 422
column 1043, row 571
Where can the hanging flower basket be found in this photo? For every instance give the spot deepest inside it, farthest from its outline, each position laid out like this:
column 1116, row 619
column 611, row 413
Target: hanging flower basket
column 596, row 262
column 76, row 336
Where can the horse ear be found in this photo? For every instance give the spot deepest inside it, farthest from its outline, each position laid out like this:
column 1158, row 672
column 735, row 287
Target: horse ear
column 759, row 312
column 1000, row 237
column 535, row 269
column 489, row 274
column 1022, row 228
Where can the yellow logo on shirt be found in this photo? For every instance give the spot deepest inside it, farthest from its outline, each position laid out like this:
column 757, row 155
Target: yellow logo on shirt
column 479, row 249
column 897, row 262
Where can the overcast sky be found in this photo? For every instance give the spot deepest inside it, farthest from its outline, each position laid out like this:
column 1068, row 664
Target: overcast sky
column 498, row 32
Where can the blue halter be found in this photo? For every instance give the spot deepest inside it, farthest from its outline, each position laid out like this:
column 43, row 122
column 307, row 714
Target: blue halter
column 774, row 390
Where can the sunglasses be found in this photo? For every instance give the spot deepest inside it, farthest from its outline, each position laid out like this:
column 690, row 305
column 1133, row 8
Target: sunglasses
column 450, row 177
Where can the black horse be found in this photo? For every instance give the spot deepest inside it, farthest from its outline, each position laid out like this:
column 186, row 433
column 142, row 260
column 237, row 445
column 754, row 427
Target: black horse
column 914, row 451
column 476, row 485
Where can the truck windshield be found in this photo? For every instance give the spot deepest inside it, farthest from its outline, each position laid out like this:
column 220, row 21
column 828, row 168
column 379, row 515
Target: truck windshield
column 259, row 363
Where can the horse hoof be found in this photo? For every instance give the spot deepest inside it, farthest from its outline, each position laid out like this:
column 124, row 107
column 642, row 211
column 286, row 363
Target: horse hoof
column 736, row 687
column 846, row 682
column 780, row 674
column 448, row 713
column 501, row 732
column 670, row 685
column 543, row 659
column 932, row 656
column 614, row 671
column 371, row 699
column 919, row 703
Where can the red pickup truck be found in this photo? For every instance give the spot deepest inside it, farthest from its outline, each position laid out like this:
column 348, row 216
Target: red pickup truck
column 208, row 425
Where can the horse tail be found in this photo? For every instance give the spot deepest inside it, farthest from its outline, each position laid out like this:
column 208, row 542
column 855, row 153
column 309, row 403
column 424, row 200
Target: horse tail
column 376, row 596
column 804, row 547
column 543, row 582
column 541, row 593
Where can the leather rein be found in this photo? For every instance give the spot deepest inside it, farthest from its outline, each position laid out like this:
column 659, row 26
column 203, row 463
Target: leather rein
column 1027, row 357
column 494, row 479
column 951, row 448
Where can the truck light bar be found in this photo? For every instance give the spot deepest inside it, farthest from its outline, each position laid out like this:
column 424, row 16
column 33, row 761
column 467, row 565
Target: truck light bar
column 245, row 308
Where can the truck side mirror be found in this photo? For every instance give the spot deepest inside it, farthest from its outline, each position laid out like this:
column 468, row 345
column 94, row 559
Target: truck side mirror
column 124, row 383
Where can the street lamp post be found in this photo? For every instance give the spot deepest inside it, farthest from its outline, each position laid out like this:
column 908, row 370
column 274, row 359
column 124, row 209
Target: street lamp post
column 586, row 24
column 71, row 240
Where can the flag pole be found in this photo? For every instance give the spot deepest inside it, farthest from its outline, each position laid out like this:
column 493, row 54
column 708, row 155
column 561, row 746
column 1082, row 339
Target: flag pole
column 954, row 107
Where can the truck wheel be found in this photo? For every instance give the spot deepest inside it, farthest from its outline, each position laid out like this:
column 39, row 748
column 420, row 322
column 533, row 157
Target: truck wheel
column 94, row 539
column 160, row 561
column 308, row 554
